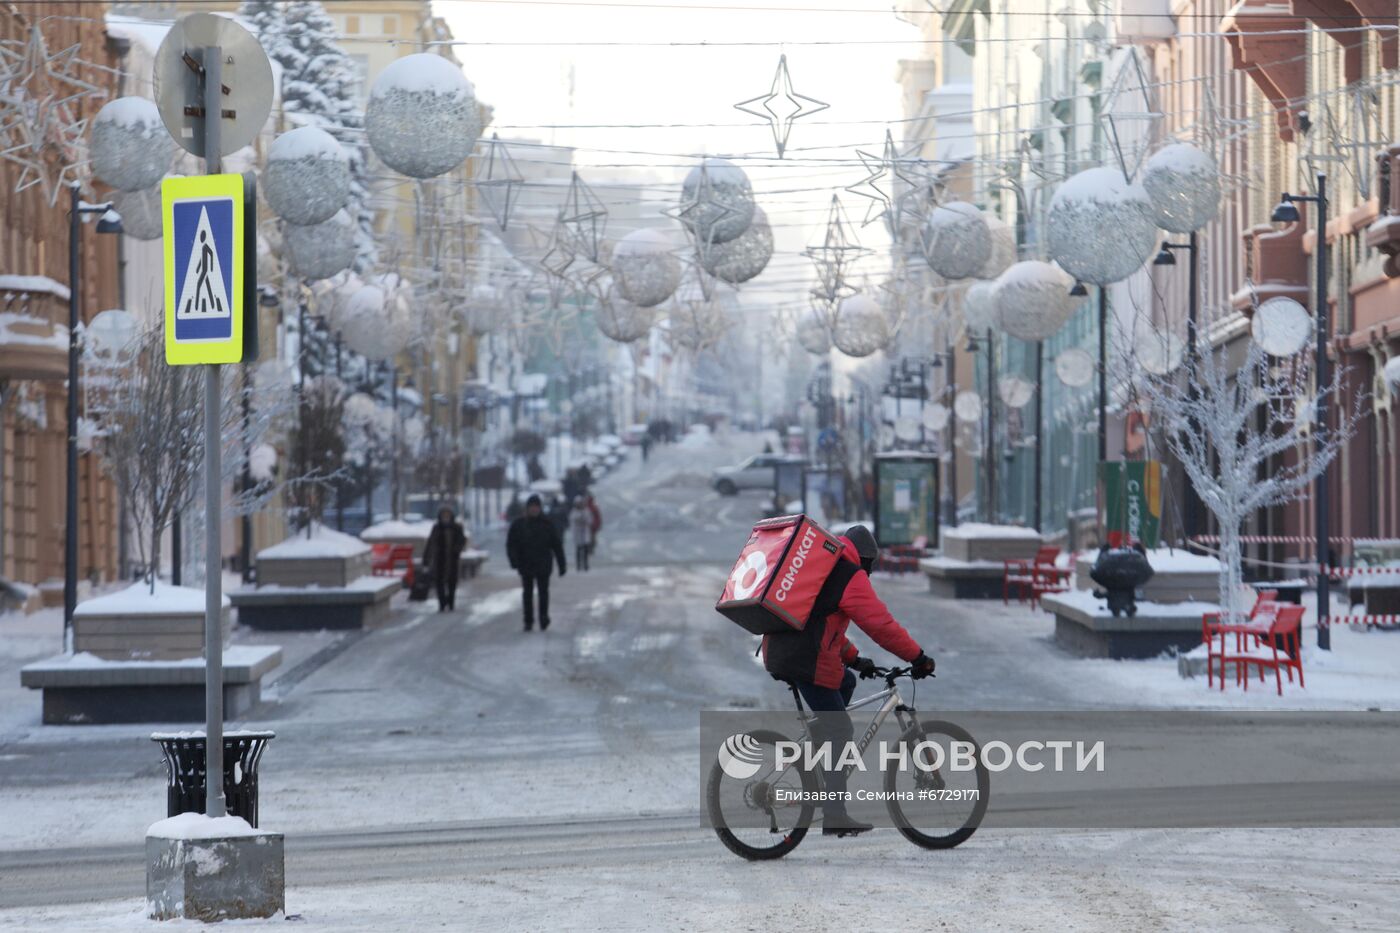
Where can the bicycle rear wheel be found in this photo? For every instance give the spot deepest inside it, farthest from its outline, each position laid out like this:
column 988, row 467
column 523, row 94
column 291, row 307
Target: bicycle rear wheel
column 947, row 803
column 748, row 813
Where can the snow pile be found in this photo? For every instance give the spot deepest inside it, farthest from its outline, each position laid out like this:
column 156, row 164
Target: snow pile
column 139, row 599
column 396, row 529
column 1086, row 601
column 28, row 330
column 984, row 530
column 199, row 826
column 33, row 283
column 306, row 142
column 321, row 542
column 1175, row 560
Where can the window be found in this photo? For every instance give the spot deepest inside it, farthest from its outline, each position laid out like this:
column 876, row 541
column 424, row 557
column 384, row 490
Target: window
column 352, row 25
column 391, row 25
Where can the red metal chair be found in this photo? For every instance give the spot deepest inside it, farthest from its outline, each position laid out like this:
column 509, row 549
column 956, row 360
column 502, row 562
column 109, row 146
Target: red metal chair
column 1051, row 579
column 401, row 560
column 1212, row 624
column 1261, row 648
column 903, row 558
column 1020, row 574
column 379, row 563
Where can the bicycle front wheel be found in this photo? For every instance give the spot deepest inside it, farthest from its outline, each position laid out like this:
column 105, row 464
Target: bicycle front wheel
column 752, row 814
column 938, row 807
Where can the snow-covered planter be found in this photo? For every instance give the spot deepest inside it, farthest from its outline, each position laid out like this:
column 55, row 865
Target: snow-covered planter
column 957, row 240
column 399, row 531
column 319, row 251
column 861, row 326
column 307, row 178
column 974, row 541
column 423, row 117
column 740, row 259
column 144, row 624
column 1178, row 576
column 131, row 149
column 716, row 201
column 1033, row 300
column 1184, row 185
column 1101, row 228
column 324, row 557
column 644, row 269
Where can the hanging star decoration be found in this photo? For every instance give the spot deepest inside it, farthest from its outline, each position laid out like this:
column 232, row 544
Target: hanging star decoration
column 835, row 255
column 556, row 256
column 42, row 126
column 703, row 212
column 781, row 106
column 1130, row 115
column 897, row 184
column 498, row 181
column 1215, row 132
column 583, row 219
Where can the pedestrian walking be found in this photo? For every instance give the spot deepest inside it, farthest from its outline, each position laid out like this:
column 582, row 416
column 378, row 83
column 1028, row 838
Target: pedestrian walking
column 442, row 557
column 581, row 527
column 646, row 447
column 533, row 547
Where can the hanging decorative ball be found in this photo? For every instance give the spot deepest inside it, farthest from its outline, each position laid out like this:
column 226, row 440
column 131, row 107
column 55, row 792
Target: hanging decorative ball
column 140, row 210
column 307, row 178
column 1184, row 185
column 861, row 326
column 1003, row 253
column 957, row 240
column 716, row 201
column 372, row 325
column 131, row 148
column 422, row 118
column 1281, row 326
column 644, row 269
column 697, row 324
column 937, row 416
column 1158, row 352
column 319, row 251
column 1014, row 391
column 740, row 259
column 1033, row 300
column 1074, row 367
column 813, row 335
column 1101, row 228
column 623, row 321
column 967, row 405
column 979, row 308
column 112, row 331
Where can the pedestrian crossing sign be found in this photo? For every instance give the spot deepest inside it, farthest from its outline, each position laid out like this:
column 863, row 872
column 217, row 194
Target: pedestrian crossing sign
column 204, row 219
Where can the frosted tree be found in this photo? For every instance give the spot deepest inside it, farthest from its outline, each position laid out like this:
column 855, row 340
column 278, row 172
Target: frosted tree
column 318, row 444
column 1245, row 440
column 370, row 436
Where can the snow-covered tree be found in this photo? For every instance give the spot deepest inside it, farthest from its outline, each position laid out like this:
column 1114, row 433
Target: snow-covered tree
column 1246, row 441
column 319, row 88
column 318, row 446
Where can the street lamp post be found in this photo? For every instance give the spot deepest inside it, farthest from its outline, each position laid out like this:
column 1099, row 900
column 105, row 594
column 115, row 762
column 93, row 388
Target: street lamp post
column 1167, row 257
column 77, row 209
column 1287, row 213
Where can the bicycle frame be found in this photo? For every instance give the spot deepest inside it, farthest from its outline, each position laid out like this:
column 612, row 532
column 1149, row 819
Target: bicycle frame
column 893, row 703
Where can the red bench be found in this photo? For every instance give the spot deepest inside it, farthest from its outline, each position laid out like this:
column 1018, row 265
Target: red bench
column 392, row 560
column 1268, row 638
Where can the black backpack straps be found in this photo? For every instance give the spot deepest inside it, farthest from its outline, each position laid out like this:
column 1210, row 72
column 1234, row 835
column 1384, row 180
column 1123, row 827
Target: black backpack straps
column 829, row 597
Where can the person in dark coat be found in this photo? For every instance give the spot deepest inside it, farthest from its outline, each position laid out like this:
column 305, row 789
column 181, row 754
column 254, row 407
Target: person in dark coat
column 533, row 546
column 442, row 556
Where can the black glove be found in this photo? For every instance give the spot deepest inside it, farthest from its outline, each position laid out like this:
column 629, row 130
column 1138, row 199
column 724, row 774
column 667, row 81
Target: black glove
column 864, row 667
column 562, row 571
column 921, row 667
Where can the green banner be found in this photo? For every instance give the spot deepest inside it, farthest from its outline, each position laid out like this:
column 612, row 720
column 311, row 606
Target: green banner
column 1132, row 491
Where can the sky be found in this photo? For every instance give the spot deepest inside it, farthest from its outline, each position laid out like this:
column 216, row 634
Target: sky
column 551, row 91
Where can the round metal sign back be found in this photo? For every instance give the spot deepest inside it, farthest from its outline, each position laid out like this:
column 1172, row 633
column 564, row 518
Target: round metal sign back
column 246, row 79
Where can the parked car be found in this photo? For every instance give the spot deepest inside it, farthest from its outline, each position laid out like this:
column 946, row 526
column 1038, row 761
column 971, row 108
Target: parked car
column 754, row 473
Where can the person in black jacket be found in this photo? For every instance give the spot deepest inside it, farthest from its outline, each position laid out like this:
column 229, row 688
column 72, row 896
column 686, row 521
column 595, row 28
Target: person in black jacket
column 443, row 557
column 533, row 546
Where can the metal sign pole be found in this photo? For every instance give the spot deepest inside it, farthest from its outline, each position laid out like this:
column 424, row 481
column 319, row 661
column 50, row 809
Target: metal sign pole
column 213, row 496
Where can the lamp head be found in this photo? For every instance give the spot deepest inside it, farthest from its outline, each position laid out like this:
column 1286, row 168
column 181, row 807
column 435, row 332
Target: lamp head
column 1165, row 257
column 109, row 222
column 1079, row 291
column 1286, row 212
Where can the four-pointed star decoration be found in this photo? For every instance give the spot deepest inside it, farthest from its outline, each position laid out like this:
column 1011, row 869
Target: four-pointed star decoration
column 1130, row 115
column 781, row 106
column 498, row 180
column 703, row 212
column 897, row 185
column 583, row 219
column 42, row 127
column 1216, row 132
column 833, row 258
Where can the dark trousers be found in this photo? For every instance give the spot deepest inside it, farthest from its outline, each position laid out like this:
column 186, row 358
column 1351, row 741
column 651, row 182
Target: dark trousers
column 446, row 586
column 528, row 584
column 833, row 724
column 581, row 556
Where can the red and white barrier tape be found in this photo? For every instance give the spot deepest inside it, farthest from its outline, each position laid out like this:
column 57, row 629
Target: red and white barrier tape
column 1287, row 539
column 1356, row 571
column 1393, row 619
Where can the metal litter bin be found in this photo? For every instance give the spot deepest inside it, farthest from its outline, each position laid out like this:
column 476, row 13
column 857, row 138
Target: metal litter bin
column 184, row 767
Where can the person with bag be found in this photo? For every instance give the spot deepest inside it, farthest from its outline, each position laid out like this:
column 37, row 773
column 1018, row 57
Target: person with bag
column 581, row 527
column 822, row 664
column 533, row 546
column 442, row 557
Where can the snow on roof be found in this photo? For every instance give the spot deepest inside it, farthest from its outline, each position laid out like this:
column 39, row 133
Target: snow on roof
column 306, row 142
column 139, row 599
column 33, row 283
column 984, row 530
column 420, row 73
column 322, row 542
column 397, row 528
column 28, row 330
column 199, row 826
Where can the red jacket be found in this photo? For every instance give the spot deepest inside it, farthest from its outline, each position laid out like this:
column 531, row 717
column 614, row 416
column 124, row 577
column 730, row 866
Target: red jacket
column 859, row 604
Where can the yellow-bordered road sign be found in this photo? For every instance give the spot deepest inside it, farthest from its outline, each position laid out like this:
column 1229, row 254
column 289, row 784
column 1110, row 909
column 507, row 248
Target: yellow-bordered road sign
column 203, row 223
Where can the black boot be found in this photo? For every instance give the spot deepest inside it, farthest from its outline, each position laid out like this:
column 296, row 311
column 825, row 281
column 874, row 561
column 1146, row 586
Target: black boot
column 840, row 823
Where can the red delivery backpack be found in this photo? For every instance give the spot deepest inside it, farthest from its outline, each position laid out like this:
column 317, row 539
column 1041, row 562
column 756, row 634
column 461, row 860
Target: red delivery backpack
column 779, row 575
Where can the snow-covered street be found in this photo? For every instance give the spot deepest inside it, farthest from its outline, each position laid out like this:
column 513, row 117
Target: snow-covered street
column 451, row 768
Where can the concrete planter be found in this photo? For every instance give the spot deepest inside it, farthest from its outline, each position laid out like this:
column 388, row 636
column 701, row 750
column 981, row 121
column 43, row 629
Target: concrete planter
column 143, row 637
column 1174, row 580
column 978, row 542
column 312, row 571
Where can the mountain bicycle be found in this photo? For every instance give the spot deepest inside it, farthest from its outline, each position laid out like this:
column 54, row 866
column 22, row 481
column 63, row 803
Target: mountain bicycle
column 936, row 808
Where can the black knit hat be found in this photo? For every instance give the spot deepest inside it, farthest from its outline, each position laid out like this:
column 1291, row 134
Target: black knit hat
column 865, row 543
column 533, row 500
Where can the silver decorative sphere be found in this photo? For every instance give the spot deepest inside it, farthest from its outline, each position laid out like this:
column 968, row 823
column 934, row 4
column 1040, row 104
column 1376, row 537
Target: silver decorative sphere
column 1158, row 352
column 979, row 308
column 307, row 178
column 1184, row 185
column 740, row 259
column 422, row 118
column 957, row 240
column 1003, row 253
column 1014, row 391
column 141, row 213
column 1075, row 367
column 372, row 325
column 623, row 321
column 131, row 148
column 644, row 269
column 319, row 251
column 1101, row 228
column 813, row 335
column 112, row 331
column 716, row 201
column 1281, row 326
column 967, row 405
column 697, row 324
column 1033, row 300
column 861, row 326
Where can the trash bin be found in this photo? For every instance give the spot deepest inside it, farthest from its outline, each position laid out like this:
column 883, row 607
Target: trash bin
column 184, row 768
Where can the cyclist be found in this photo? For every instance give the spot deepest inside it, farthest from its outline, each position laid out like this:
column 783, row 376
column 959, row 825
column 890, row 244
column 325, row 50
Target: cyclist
column 821, row 663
